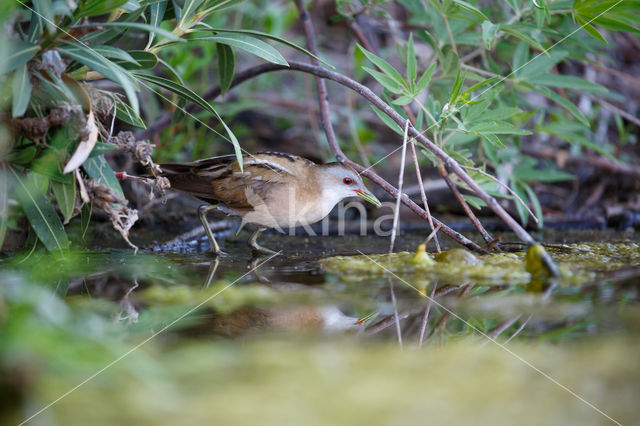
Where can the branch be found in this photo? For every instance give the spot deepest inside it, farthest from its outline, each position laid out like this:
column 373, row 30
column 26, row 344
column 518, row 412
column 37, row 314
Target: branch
column 369, row 95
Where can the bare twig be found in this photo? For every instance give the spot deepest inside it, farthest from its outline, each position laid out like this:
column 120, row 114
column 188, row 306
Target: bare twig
column 465, row 206
column 423, row 195
column 376, row 101
column 396, row 213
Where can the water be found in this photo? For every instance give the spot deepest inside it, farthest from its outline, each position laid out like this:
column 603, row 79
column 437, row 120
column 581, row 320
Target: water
column 184, row 338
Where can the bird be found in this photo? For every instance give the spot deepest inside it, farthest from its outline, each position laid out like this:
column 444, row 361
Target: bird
column 272, row 190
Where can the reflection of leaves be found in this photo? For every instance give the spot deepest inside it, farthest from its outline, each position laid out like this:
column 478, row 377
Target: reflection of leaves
column 42, row 217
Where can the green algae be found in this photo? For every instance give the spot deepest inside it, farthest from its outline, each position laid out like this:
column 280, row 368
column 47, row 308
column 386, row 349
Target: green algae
column 576, row 264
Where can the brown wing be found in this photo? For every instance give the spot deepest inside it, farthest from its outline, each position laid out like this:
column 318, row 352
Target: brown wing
column 195, row 178
column 219, row 180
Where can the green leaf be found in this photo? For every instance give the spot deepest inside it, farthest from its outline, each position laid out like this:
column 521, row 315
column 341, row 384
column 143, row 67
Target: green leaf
column 493, row 140
column 41, row 214
column 388, row 121
column 191, row 96
column 535, row 203
column 457, row 85
column 21, row 92
column 125, row 113
column 44, row 10
column 568, row 82
column 471, row 8
column 226, row 66
column 99, row 63
column 156, row 14
column 114, row 53
column 563, row 102
column 251, row 45
column 97, row 7
column 501, row 113
column 65, row 194
column 178, row 89
column 475, row 202
column 220, row 4
column 497, row 128
column 425, row 79
column 102, row 148
column 387, row 82
column 520, row 58
column 85, row 217
column 542, row 63
column 270, row 37
column 385, row 67
column 489, row 31
column 564, row 132
column 412, row 65
column 21, row 52
column 143, row 60
column 4, row 201
column 522, row 36
column 591, row 29
column 403, row 100
column 135, row 26
column 522, row 211
column 188, row 11
column 98, row 169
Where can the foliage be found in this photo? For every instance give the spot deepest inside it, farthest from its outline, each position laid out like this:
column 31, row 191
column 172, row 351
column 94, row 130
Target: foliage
column 62, row 125
column 473, row 76
column 482, row 114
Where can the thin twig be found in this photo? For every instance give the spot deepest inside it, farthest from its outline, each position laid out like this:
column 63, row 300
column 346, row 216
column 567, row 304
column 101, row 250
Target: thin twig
column 376, row 101
column 396, row 213
column 465, row 206
column 505, row 186
column 423, row 194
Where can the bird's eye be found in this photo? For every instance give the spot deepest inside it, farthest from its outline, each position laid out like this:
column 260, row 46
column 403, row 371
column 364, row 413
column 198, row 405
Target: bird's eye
column 347, row 181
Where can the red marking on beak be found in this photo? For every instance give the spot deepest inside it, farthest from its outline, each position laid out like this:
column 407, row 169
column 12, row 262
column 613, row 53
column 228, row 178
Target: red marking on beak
column 358, row 191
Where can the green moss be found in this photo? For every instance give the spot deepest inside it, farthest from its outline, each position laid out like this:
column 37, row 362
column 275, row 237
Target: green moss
column 576, row 264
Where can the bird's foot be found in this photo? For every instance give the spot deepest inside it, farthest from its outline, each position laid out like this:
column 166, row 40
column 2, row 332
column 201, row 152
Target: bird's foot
column 257, row 248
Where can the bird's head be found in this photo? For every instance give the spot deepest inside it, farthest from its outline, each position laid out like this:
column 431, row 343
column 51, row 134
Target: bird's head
column 341, row 182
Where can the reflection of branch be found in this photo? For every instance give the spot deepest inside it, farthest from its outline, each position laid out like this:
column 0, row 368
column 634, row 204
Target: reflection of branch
column 425, row 318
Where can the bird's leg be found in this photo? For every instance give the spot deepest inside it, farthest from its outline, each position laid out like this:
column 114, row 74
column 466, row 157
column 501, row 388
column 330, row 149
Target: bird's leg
column 253, row 243
column 202, row 214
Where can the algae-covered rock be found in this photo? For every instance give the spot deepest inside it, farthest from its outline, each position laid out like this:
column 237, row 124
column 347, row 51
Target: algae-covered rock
column 539, row 263
column 422, row 258
column 459, row 256
column 568, row 265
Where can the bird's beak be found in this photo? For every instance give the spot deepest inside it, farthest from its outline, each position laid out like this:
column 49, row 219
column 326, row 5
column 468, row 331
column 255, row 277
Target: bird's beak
column 368, row 196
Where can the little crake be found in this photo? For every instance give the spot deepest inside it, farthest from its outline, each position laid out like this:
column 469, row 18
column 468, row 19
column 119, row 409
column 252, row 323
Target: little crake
column 274, row 189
